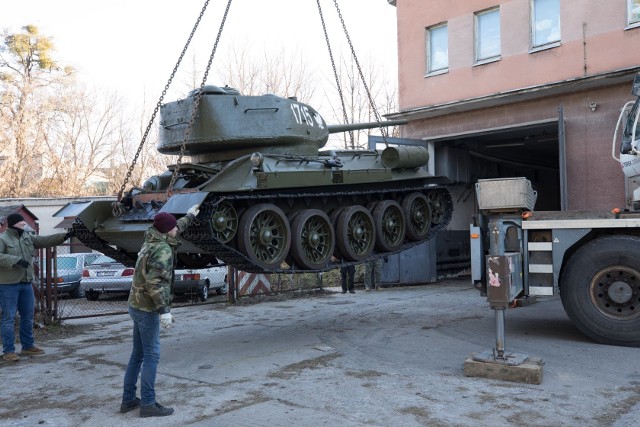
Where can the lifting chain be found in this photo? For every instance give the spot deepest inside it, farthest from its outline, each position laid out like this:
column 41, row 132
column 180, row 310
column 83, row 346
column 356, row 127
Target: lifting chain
column 116, row 207
column 196, row 102
column 383, row 130
column 335, row 73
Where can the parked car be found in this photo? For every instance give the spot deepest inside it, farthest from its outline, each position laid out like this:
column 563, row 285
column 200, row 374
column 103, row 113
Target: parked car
column 69, row 268
column 198, row 283
column 107, row 276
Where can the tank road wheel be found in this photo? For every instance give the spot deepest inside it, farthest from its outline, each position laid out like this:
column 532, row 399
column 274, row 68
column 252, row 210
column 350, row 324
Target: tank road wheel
column 437, row 206
column 418, row 214
column 265, row 235
column 312, row 240
column 224, row 222
column 600, row 290
column 355, row 233
column 390, row 225
column 333, row 218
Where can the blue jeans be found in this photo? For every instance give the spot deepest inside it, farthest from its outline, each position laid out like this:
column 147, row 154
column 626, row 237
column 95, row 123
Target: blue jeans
column 144, row 357
column 16, row 297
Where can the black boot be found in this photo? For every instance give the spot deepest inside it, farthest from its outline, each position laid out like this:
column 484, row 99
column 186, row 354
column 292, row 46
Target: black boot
column 155, row 410
column 130, row 406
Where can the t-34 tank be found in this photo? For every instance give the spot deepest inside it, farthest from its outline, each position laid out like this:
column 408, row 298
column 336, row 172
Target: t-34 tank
column 270, row 198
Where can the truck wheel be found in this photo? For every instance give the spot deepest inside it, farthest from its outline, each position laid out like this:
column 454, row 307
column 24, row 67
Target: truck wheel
column 600, row 290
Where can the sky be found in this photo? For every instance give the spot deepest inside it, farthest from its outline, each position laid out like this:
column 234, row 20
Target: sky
column 131, row 46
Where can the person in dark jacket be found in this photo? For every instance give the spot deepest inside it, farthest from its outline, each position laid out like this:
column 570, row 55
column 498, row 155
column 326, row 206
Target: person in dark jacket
column 150, row 308
column 17, row 249
column 348, row 274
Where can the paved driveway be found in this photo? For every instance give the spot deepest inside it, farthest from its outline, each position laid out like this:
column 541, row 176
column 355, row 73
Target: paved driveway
column 382, row 358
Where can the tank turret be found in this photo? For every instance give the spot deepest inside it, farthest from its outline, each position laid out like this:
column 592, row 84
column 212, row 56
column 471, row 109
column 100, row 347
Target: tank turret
column 271, row 197
column 229, row 125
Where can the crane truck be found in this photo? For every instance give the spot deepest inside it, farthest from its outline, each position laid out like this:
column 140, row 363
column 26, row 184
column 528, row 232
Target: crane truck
column 591, row 259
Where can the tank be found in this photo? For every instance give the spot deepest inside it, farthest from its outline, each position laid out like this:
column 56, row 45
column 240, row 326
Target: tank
column 272, row 198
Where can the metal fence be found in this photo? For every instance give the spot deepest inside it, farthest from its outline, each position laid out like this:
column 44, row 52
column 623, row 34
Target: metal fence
column 60, row 296
column 57, row 296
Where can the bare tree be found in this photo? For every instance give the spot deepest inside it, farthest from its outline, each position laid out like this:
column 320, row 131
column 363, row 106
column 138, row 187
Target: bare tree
column 58, row 138
column 284, row 74
column 149, row 161
column 29, row 77
column 81, row 140
column 358, row 106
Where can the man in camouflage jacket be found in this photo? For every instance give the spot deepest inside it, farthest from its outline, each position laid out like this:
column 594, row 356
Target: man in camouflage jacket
column 150, row 307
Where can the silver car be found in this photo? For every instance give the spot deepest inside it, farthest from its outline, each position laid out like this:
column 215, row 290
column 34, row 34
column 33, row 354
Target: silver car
column 106, row 276
column 69, row 268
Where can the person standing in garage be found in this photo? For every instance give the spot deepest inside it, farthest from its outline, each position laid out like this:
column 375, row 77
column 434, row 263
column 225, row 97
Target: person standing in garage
column 17, row 249
column 149, row 307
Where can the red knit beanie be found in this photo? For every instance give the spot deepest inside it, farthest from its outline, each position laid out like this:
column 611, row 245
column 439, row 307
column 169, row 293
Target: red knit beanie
column 164, row 222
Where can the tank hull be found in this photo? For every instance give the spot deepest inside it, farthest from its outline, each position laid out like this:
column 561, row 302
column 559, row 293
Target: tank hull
column 276, row 194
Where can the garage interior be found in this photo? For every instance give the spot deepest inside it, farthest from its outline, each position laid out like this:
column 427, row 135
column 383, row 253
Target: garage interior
column 531, row 150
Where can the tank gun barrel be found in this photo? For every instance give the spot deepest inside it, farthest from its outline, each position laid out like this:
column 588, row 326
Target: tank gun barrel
column 369, row 125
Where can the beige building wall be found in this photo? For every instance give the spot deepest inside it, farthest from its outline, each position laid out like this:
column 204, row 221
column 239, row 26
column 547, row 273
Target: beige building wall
column 594, row 63
column 593, row 41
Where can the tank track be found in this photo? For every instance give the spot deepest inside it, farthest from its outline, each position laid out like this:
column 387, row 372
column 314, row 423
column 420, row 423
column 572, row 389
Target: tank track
column 200, row 232
column 90, row 240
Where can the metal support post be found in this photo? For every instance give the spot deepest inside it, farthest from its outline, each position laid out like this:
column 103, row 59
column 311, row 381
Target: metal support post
column 504, row 284
column 233, row 288
column 499, row 351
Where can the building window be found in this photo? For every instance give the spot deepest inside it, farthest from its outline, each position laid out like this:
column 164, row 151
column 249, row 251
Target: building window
column 488, row 34
column 437, row 48
column 545, row 22
column 633, row 9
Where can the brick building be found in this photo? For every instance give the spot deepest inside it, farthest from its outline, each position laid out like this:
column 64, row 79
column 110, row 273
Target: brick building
column 503, row 88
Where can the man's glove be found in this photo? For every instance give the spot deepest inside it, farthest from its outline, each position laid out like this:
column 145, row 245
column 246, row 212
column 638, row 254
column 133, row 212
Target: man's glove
column 165, row 320
column 71, row 233
column 193, row 210
column 23, row 263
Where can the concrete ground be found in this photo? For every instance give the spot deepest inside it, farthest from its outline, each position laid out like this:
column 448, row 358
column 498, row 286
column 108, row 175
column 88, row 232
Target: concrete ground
column 392, row 357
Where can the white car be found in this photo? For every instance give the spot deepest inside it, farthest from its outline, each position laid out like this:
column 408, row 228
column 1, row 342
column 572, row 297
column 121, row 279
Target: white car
column 107, row 276
column 199, row 282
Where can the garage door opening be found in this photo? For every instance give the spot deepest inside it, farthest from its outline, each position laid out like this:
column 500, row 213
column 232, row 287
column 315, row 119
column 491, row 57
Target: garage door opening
column 531, row 151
